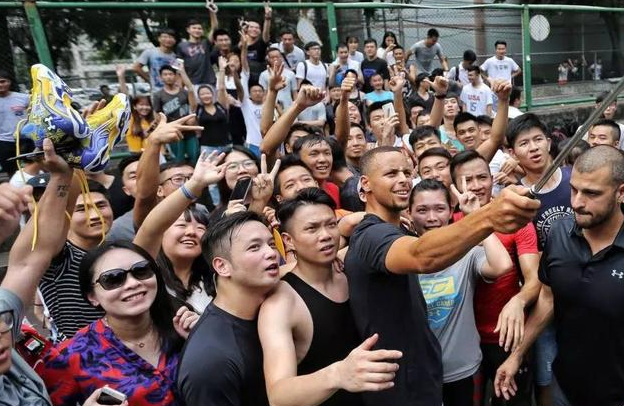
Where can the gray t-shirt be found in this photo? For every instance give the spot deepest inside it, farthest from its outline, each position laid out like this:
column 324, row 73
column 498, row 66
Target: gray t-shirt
column 284, row 96
column 313, row 113
column 449, row 296
column 12, row 110
column 424, row 55
column 155, row 59
column 122, row 228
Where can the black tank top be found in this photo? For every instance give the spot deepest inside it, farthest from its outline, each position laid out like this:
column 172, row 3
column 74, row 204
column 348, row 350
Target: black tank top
column 334, row 337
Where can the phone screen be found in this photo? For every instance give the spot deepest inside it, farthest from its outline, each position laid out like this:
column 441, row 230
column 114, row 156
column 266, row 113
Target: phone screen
column 388, row 109
column 241, row 190
column 106, row 399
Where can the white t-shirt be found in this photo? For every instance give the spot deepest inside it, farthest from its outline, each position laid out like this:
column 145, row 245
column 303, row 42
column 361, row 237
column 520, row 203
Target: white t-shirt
column 476, row 99
column 514, row 112
column 499, row 68
column 461, row 78
column 252, row 113
column 387, row 56
column 342, row 69
column 316, row 74
column 357, row 56
column 284, row 96
column 495, row 165
column 292, row 59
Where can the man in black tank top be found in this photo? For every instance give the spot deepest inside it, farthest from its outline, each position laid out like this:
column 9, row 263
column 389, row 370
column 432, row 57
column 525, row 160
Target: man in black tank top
column 312, row 352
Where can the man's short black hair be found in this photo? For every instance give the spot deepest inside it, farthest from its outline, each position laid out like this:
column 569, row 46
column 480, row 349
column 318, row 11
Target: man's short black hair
column 168, row 31
column 308, row 140
column 474, row 68
column 523, row 123
column 369, row 156
column 285, row 31
column 305, row 197
column 5, row 75
column 102, row 87
column 500, row 42
column 375, row 106
column 429, row 185
column 341, row 45
column 424, row 131
column 609, row 123
column 173, row 164
column 311, row 44
column 483, row 119
column 600, row 98
column 433, row 33
column 465, row 157
column 370, row 41
column 418, row 103
column 464, row 117
column 470, row 56
column 437, row 151
column 123, row 164
column 397, row 47
column 97, row 187
column 310, row 129
column 192, row 21
column 217, row 241
column 219, row 32
column 166, row 67
column 287, row 162
column 515, row 94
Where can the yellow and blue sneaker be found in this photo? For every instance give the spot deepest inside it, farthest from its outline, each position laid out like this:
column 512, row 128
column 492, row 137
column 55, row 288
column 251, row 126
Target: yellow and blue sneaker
column 85, row 144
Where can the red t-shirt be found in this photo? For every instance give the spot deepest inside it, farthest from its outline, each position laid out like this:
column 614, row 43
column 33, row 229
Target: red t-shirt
column 333, row 191
column 490, row 298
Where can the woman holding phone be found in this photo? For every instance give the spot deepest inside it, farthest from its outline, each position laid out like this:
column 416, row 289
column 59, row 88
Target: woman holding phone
column 134, row 348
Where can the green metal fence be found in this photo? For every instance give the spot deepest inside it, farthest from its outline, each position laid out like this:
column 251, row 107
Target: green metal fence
column 540, row 37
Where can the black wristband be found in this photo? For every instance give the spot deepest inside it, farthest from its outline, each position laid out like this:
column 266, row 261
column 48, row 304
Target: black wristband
column 440, row 96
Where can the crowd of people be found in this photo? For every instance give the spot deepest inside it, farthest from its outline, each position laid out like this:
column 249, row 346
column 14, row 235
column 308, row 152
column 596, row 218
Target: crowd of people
column 288, row 231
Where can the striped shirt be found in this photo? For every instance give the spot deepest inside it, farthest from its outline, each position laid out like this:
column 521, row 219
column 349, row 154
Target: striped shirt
column 61, row 292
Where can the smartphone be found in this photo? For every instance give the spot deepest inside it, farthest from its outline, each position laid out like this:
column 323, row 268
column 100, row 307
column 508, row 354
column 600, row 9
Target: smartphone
column 388, row 109
column 177, row 64
column 242, row 191
column 110, row 396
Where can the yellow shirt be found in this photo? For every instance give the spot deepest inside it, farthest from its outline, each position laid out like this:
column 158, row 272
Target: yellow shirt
column 136, row 142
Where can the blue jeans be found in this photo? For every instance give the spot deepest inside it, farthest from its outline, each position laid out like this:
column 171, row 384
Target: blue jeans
column 212, row 189
column 545, row 352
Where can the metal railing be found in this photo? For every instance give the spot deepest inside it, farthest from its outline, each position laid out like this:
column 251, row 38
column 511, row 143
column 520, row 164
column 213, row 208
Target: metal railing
column 458, row 24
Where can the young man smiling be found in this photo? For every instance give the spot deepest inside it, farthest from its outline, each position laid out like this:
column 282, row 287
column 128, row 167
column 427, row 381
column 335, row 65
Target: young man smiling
column 384, row 298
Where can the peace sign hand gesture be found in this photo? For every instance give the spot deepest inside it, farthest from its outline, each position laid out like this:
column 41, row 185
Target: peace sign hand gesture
column 276, row 81
column 262, row 186
column 468, row 201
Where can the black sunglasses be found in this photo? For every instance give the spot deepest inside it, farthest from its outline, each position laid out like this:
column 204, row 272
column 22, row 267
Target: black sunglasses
column 115, row 278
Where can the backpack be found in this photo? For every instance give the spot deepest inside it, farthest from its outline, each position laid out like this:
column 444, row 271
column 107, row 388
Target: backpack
column 305, row 71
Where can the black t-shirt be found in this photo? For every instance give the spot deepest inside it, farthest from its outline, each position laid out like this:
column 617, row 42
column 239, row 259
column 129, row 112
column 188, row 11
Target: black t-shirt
column 588, row 293
column 221, row 363
column 216, row 132
column 197, row 64
column 256, row 54
column 120, row 202
column 394, row 307
column 369, row 68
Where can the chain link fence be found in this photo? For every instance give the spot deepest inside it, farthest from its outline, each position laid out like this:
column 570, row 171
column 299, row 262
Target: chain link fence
column 86, row 41
column 17, row 47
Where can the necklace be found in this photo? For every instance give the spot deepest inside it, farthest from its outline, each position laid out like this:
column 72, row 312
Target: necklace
column 140, row 344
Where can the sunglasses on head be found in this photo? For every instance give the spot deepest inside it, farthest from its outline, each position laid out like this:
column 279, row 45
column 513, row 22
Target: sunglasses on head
column 115, row 278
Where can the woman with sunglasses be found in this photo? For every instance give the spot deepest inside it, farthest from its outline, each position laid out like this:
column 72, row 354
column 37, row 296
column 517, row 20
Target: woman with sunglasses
column 134, row 348
column 172, row 234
